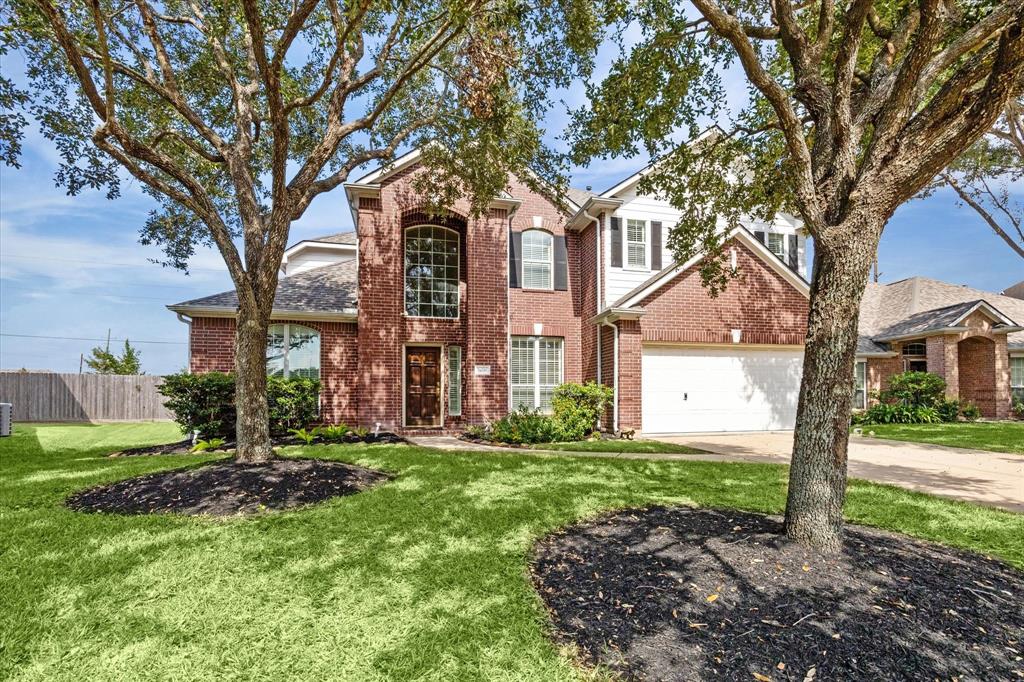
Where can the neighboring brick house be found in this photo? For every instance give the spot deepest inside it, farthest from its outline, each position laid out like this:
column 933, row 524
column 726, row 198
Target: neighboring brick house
column 967, row 336
column 418, row 321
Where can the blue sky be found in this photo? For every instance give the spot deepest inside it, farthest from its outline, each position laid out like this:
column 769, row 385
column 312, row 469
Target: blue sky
column 72, row 266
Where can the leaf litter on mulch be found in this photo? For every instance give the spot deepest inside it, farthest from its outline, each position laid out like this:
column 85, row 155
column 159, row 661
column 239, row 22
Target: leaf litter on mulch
column 689, row 594
column 229, row 488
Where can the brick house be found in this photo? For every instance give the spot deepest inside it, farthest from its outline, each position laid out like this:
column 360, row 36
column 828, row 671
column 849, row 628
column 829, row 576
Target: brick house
column 425, row 322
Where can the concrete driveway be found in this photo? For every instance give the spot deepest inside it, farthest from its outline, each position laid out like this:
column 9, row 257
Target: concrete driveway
column 990, row 478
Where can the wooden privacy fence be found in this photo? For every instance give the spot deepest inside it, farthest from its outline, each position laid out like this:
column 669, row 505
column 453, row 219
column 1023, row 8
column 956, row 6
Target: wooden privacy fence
column 44, row 397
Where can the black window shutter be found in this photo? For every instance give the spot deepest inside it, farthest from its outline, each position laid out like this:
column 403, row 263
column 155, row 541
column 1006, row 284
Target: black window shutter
column 761, row 237
column 792, row 251
column 561, row 265
column 515, row 259
column 655, row 245
column 616, row 242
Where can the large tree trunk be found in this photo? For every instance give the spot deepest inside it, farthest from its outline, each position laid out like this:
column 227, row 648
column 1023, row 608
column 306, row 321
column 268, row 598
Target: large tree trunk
column 817, row 475
column 252, row 427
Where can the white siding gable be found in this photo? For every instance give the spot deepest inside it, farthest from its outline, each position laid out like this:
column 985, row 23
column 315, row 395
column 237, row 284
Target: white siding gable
column 310, row 256
column 619, row 281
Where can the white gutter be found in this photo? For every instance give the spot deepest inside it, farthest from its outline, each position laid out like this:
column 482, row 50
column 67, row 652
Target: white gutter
column 615, row 376
column 186, row 320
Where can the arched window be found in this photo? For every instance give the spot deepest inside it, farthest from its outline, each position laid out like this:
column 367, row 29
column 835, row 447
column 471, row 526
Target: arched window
column 293, row 351
column 538, row 259
column 431, row 272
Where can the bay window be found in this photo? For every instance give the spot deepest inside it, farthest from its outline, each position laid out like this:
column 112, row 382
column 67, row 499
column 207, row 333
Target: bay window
column 535, row 369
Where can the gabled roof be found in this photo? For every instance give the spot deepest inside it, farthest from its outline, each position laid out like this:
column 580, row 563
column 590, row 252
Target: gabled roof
column 338, row 238
column 633, row 179
column 1015, row 291
column 918, row 304
column 673, row 270
column 327, row 292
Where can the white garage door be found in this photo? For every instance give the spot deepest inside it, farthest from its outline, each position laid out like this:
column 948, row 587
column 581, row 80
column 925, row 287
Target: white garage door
column 688, row 390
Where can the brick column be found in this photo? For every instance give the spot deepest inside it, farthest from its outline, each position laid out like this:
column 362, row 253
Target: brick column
column 486, row 396
column 630, row 353
column 943, row 359
column 1002, row 362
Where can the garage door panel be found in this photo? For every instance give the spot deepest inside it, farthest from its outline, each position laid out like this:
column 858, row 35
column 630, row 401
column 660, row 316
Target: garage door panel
column 729, row 389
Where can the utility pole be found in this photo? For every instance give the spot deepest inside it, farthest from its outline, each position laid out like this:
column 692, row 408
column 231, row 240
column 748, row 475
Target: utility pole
column 81, row 357
column 874, row 267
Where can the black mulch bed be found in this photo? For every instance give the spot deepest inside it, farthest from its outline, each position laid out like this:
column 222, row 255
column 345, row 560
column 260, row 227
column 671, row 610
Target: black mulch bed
column 184, row 447
column 685, row 594
column 229, row 488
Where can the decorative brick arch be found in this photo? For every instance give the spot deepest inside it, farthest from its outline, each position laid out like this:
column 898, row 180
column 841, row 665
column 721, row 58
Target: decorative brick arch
column 976, row 369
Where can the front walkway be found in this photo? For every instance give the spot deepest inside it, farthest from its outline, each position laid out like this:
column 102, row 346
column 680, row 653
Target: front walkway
column 990, row 478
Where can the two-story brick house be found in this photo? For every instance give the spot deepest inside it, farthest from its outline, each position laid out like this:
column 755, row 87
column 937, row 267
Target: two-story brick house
column 421, row 322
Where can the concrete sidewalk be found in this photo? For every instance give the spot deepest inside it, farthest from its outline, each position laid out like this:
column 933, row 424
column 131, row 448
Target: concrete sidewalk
column 990, row 478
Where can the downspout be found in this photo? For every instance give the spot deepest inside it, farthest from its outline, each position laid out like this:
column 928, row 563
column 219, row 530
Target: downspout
column 615, row 375
column 184, row 319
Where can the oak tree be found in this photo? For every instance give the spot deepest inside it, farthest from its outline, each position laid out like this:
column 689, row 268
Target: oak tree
column 235, row 116
column 854, row 107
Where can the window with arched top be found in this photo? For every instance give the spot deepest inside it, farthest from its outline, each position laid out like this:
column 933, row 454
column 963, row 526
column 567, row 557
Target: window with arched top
column 293, row 351
column 538, row 259
column 431, row 272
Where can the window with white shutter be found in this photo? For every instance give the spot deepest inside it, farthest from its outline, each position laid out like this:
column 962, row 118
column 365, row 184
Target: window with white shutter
column 454, row 381
column 535, row 369
column 636, row 243
column 538, row 259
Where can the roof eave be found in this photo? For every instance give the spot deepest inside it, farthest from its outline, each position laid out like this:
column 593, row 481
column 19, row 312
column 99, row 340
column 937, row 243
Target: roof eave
column 580, row 219
column 921, row 334
column 611, row 315
column 346, row 315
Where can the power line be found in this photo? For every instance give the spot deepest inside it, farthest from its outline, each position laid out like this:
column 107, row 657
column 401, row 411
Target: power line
column 100, row 262
column 116, row 282
column 83, row 293
column 83, row 338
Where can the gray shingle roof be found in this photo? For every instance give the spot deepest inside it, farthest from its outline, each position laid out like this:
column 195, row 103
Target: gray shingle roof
column 579, row 196
column 338, row 238
column 328, row 289
column 918, row 304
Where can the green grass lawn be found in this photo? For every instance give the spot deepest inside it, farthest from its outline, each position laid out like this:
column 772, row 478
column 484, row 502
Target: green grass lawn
column 422, row 578
column 994, row 436
column 625, row 446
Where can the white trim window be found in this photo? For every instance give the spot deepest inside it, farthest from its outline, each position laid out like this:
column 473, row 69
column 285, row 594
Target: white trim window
column 1017, row 378
column 636, row 243
column 455, row 381
column 538, row 259
column 776, row 242
column 860, row 385
column 431, row 272
column 293, row 351
column 535, row 369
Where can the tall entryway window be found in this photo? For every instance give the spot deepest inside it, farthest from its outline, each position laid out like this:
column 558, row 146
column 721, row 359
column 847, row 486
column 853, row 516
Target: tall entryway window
column 535, row 369
column 431, row 272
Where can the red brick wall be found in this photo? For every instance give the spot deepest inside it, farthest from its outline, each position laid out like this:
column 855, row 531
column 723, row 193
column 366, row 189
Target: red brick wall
column 977, row 370
column 587, row 251
column 761, row 303
column 212, row 342
column 630, row 355
column 559, row 312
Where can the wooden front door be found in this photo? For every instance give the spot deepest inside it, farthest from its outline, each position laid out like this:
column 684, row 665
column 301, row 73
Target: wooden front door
column 422, row 386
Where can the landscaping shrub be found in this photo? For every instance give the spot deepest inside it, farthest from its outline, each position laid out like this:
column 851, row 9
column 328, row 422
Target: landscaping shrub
column 522, row 427
column 577, row 408
column 915, row 398
column 206, row 403
column 1017, row 408
column 970, row 412
column 294, row 403
column 201, row 402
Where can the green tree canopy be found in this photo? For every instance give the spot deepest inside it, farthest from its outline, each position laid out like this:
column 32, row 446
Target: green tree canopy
column 103, row 361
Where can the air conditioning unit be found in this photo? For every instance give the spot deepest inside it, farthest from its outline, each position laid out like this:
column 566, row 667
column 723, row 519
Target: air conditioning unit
column 6, row 413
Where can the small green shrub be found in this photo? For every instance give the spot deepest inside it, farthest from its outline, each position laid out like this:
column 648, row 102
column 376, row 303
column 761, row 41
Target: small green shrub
column 305, row 436
column 203, row 403
column 294, row 403
column 949, row 409
column 211, row 444
column 1017, row 408
column 577, row 408
column 206, row 403
column 915, row 388
column 361, row 432
column 524, row 426
column 970, row 412
column 332, row 434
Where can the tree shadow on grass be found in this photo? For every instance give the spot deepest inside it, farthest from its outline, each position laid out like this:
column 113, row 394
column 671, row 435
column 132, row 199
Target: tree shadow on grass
column 682, row 594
